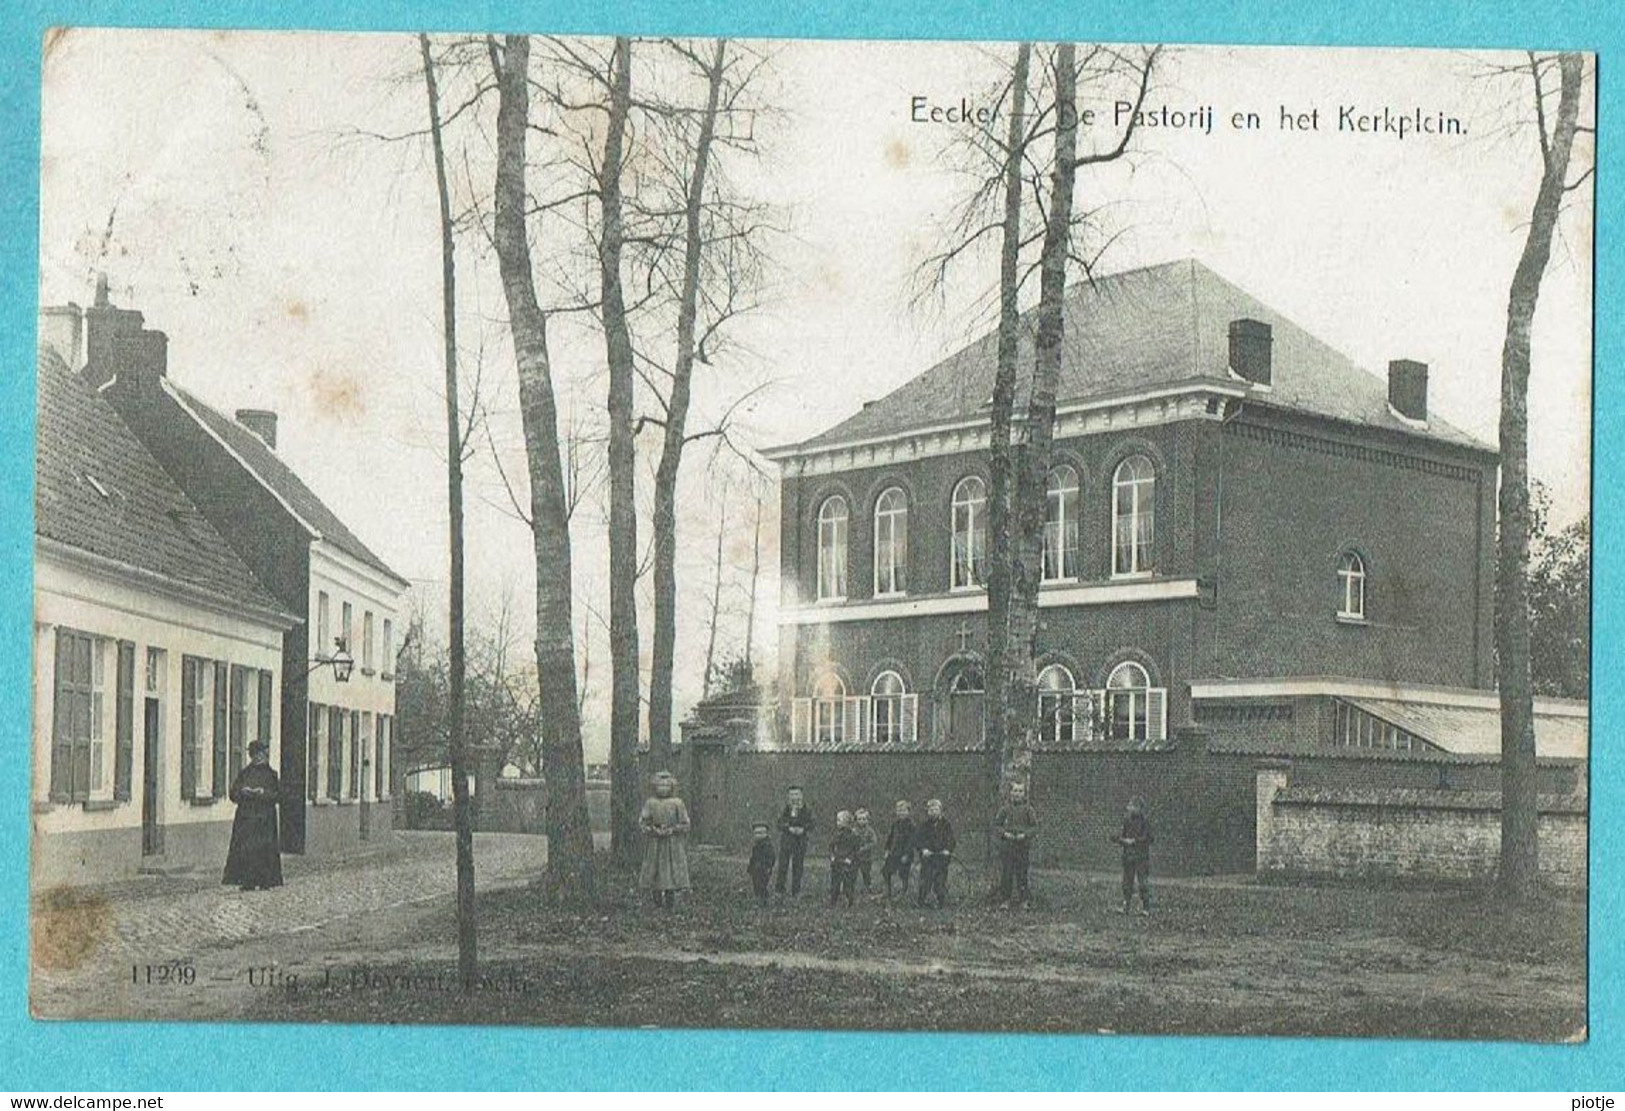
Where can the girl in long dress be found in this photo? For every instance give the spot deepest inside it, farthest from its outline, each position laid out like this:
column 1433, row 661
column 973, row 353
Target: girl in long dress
column 255, row 857
column 664, row 822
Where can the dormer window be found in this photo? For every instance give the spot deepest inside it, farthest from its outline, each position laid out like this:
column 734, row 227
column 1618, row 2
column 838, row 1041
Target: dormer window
column 1351, row 587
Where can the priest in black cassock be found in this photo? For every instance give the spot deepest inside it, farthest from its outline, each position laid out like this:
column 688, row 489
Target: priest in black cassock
column 255, row 858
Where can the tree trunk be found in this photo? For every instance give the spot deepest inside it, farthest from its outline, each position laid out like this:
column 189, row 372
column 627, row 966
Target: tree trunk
column 625, row 682
column 1034, row 459
column 716, row 605
column 462, row 816
column 671, row 452
column 750, row 607
column 569, row 838
column 1519, row 782
column 998, row 726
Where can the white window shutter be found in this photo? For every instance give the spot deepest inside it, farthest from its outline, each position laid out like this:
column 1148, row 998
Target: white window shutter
column 909, row 728
column 1156, row 714
column 854, row 711
column 801, row 721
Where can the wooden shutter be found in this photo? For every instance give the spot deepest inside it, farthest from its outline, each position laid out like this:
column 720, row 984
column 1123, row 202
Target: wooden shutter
column 909, row 726
column 62, row 716
column 801, row 721
column 265, row 707
column 378, row 756
column 355, row 754
column 124, row 723
column 189, row 678
column 857, row 720
column 222, row 693
column 1156, row 714
column 313, row 752
column 335, row 753
column 239, row 718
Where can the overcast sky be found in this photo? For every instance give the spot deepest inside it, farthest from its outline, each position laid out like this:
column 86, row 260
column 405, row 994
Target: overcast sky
column 217, row 179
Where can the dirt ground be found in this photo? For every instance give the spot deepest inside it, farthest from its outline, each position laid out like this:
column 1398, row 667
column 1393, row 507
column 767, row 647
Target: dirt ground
column 1216, row 956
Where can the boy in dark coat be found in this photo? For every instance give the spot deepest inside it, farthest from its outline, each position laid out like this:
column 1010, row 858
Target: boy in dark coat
column 934, row 841
column 1136, row 841
column 760, row 868
column 1015, row 825
column 868, row 842
column 843, row 859
column 899, row 848
column 794, row 822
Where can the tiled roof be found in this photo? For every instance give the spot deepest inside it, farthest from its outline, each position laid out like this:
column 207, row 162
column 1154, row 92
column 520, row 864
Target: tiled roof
column 281, row 480
column 1140, row 329
column 99, row 490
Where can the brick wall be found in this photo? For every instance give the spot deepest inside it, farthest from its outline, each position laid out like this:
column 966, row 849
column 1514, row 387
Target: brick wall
column 1408, row 833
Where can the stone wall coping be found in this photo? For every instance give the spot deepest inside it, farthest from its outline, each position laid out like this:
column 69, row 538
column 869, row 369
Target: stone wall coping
column 1418, row 798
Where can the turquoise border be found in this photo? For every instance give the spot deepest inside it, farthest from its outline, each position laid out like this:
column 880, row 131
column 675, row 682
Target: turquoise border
column 85, row 1057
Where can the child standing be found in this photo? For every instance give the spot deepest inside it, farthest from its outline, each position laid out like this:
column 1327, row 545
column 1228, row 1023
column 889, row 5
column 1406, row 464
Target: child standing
column 1015, row 823
column 760, row 868
column 843, row 859
column 794, row 822
column 664, row 822
column 868, row 842
column 935, row 842
column 1136, row 841
column 899, row 847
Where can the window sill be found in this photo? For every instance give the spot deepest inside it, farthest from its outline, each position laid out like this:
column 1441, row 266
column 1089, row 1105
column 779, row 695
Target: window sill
column 388, row 676
column 1350, row 619
column 369, row 672
column 208, row 800
column 974, row 588
column 94, row 806
column 1131, row 576
column 840, row 601
column 321, row 802
column 889, row 595
column 1070, row 580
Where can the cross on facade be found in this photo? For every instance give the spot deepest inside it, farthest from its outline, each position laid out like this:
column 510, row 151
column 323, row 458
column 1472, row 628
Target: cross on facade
column 963, row 636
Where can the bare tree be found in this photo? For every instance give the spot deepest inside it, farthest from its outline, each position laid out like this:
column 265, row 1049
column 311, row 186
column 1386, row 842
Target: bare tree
column 755, row 583
column 1519, row 783
column 456, row 447
column 716, row 602
column 569, row 839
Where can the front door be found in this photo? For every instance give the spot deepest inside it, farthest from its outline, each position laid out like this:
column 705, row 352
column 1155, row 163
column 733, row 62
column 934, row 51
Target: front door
column 152, row 830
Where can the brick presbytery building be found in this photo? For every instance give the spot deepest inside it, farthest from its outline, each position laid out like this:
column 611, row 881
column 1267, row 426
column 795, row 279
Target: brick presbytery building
column 1252, row 547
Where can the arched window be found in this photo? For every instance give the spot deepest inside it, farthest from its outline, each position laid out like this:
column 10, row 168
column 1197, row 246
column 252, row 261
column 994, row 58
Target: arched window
column 1128, row 694
column 891, row 542
column 1351, row 586
column 970, row 532
column 832, row 522
column 829, row 710
column 1134, row 496
column 965, row 699
column 1056, row 694
column 1061, row 526
column 886, row 708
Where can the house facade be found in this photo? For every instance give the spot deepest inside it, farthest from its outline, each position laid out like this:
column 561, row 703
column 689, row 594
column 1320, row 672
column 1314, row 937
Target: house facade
column 157, row 654
column 335, row 708
column 1230, row 499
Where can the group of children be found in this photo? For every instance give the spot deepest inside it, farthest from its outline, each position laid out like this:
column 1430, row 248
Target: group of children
column 852, row 851
column 855, row 843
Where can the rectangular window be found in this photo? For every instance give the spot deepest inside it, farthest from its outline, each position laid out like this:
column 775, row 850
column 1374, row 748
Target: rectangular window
column 219, row 780
column 367, row 667
column 76, row 739
column 191, row 704
column 355, row 754
column 263, row 704
column 387, row 665
column 238, row 753
column 346, row 630
column 380, row 763
column 324, row 626
column 335, row 753
column 124, row 723
column 313, row 753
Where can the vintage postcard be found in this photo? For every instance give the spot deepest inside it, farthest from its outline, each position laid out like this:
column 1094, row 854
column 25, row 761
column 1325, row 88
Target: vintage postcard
column 1067, row 537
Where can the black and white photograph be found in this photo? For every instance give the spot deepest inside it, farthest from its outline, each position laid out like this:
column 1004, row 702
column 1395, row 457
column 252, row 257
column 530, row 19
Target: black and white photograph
column 1050, row 537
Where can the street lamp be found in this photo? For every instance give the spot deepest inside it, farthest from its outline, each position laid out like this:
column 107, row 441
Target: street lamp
column 341, row 661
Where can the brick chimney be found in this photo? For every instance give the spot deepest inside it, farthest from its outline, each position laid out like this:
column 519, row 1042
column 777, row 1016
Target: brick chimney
column 60, row 329
column 1408, row 388
column 261, row 422
column 1250, row 342
column 117, row 345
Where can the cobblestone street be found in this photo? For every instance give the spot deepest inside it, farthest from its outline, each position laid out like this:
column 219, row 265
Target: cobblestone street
column 188, row 948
